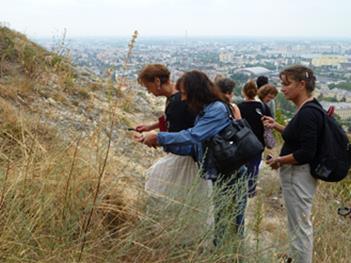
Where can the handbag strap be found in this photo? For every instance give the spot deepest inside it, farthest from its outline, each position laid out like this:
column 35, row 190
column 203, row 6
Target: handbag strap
column 237, row 123
column 229, row 111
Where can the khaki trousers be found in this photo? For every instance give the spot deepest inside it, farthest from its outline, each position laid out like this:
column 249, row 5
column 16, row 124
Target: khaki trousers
column 299, row 187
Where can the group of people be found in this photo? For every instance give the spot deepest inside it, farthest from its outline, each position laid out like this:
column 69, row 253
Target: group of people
column 197, row 109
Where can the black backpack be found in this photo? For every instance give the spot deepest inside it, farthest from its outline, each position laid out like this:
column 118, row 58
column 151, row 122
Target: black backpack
column 333, row 158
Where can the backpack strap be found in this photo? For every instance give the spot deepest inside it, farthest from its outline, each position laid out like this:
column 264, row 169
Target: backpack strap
column 318, row 108
column 315, row 106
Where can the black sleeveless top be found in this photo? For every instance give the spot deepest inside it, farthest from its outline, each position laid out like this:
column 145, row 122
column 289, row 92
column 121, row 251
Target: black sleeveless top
column 178, row 115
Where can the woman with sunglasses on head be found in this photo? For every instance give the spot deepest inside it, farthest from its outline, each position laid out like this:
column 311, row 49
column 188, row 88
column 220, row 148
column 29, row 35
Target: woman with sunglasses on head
column 301, row 137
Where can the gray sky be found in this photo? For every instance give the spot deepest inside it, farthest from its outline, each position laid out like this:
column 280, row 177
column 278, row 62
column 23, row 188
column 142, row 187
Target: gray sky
column 274, row 18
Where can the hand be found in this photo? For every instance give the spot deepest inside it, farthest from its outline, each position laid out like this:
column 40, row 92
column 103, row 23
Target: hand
column 150, row 139
column 139, row 138
column 268, row 122
column 274, row 163
column 142, row 128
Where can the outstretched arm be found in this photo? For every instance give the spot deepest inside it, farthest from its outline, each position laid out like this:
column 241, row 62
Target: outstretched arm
column 269, row 122
column 147, row 127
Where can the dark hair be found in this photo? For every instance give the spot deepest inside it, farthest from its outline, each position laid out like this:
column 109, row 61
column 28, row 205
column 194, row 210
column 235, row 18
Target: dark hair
column 200, row 90
column 179, row 82
column 267, row 89
column 261, row 80
column 152, row 71
column 250, row 89
column 226, row 85
column 299, row 73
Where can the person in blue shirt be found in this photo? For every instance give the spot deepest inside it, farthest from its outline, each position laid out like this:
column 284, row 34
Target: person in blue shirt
column 207, row 101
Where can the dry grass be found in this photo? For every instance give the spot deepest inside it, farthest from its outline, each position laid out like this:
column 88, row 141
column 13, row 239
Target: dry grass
column 19, row 89
column 48, row 190
column 33, row 66
column 332, row 232
column 47, row 193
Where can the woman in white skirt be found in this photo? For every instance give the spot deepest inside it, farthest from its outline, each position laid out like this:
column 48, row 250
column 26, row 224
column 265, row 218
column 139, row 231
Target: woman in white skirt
column 173, row 180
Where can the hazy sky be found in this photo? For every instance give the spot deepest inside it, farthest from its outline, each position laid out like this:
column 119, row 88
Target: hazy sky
column 274, row 18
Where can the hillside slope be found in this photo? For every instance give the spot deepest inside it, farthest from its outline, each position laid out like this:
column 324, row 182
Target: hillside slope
column 65, row 145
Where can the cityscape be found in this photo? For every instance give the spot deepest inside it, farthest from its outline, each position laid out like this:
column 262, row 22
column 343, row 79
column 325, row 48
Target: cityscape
column 237, row 58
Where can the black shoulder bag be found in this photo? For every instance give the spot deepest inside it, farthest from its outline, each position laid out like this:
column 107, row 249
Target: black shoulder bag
column 234, row 146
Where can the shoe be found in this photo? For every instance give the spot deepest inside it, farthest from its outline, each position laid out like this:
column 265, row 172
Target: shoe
column 284, row 258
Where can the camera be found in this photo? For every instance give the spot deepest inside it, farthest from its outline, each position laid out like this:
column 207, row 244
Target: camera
column 268, row 157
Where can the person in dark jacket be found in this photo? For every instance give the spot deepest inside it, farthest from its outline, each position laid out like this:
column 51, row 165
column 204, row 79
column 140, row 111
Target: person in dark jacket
column 301, row 136
column 248, row 109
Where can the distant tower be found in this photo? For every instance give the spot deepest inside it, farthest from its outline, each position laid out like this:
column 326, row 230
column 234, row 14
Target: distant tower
column 186, row 37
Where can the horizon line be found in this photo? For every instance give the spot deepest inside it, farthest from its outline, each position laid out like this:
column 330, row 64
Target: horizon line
column 203, row 37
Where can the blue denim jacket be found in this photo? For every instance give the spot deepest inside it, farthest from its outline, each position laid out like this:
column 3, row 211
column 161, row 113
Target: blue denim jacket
column 211, row 121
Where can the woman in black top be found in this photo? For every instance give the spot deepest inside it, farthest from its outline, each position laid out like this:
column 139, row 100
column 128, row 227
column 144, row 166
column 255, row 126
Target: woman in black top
column 156, row 79
column 301, row 137
column 248, row 109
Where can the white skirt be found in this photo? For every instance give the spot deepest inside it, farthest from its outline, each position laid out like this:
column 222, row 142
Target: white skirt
column 174, row 176
column 174, row 183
